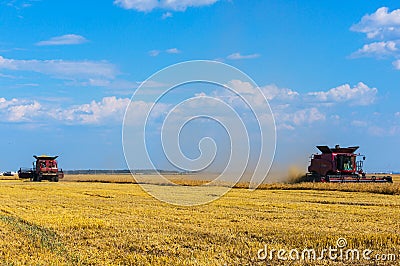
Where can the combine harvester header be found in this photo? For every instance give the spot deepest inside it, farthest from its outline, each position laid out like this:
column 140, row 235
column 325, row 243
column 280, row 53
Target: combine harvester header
column 339, row 165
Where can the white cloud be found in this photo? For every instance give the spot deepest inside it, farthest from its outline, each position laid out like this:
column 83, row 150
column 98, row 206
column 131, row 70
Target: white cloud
column 139, row 5
column 384, row 26
column 168, row 51
column 238, row 56
column 24, row 112
column 4, row 103
column 396, row 64
column 273, row 92
column 377, row 49
column 61, row 68
column 149, row 5
column 307, row 116
column 286, row 117
column 154, row 52
column 292, row 109
column 19, row 110
column 270, row 92
column 167, row 15
column 108, row 109
column 287, row 120
column 172, row 51
column 380, row 25
column 360, row 94
column 241, row 87
column 397, row 114
column 67, row 39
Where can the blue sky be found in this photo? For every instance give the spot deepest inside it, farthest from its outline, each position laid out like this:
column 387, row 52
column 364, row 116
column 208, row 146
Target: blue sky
column 330, row 70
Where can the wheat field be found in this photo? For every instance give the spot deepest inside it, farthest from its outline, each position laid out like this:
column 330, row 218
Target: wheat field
column 97, row 223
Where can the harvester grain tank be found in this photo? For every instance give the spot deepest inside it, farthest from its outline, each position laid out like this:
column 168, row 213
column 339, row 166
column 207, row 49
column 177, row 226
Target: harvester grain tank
column 44, row 168
column 340, row 165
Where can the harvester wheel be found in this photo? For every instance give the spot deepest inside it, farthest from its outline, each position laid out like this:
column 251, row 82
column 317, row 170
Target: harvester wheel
column 316, row 177
column 55, row 179
column 312, row 177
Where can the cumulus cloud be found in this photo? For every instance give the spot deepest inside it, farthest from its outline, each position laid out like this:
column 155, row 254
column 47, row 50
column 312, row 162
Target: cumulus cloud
column 287, row 116
column 241, row 87
column 360, row 94
column 174, row 5
column 288, row 119
column 293, row 109
column 16, row 110
column 381, row 24
column 270, row 92
column 108, row 109
column 274, row 92
column 290, row 108
column 377, row 49
column 309, row 116
column 384, row 26
column 396, row 64
column 61, row 68
column 238, row 56
column 4, row 103
column 67, row 39
column 24, row 112
column 255, row 96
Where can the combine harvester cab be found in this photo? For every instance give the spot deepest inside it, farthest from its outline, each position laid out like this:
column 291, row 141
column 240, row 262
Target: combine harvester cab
column 339, row 165
column 44, row 168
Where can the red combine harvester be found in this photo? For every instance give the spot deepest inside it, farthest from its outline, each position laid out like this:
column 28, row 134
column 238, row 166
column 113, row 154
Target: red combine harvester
column 339, row 165
column 45, row 168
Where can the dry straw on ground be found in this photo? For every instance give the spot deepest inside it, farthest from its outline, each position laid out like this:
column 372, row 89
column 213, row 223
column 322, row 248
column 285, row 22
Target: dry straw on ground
column 74, row 223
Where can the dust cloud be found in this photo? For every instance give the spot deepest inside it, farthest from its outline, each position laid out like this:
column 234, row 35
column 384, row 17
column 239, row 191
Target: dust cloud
column 289, row 174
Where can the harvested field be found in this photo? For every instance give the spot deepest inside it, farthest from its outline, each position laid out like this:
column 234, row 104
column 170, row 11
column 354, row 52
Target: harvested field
column 109, row 223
